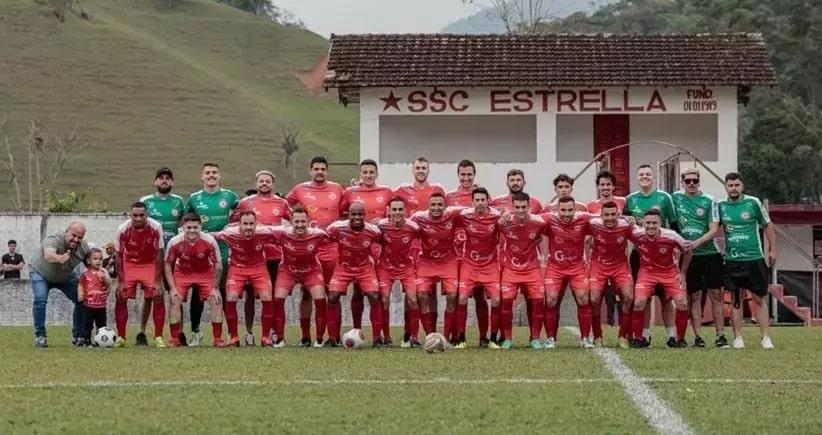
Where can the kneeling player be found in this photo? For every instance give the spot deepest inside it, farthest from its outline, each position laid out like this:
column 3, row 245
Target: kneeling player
column 658, row 266
column 193, row 260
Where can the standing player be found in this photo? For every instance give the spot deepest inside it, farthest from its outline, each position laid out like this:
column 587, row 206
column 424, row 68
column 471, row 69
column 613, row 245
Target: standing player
column 300, row 244
column 415, row 196
column 606, row 182
column 214, row 205
column 608, row 264
column 745, row 263
column 658, row 267
column 271, row 210
column 480, row 265
column 566, row 231
column 462, row 196
column 139, row 260
column 166, row 208
column 375, row 198
column 563, row 188
column 521, row 239
column 355, row 238
column 193, row 261
column 698, row 215
column 397, row 264
column 637, row 204
column 321, row 199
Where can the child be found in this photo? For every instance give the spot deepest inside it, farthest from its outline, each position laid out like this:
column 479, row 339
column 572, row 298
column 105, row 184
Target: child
column 92, row 292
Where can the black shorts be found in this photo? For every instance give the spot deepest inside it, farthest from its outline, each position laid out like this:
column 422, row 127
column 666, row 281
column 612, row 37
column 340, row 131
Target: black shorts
column 748, row 275
column 704, row 273
column 633, row 260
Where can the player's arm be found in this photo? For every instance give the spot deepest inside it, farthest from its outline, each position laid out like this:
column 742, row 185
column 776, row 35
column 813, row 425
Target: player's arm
column 50, row 254
column 770, row 234
column 105, row 278
column 21, row 265
column 189, row 205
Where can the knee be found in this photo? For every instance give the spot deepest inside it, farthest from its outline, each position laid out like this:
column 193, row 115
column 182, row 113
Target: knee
column 463, row 300
column 639, row 304
column 551, row 300
column 495, row 301
column 696, row 298
column 715, row 295
column 374, row 297
column 334, row 298
column 681, row 304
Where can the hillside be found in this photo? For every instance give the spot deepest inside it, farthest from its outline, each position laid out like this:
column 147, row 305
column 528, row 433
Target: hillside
column 487, row 20
column 200, row 82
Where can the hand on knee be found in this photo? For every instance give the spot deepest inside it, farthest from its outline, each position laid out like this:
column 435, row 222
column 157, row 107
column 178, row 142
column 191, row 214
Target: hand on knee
column 639, row 304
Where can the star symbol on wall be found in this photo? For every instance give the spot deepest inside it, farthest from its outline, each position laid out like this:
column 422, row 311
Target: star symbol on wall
column 391, row 101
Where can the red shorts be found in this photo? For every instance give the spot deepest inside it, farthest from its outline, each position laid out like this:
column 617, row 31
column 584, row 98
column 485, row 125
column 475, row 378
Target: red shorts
column 134, row 274
column 429, row 273
column 365, row 277
column 287, row 279
column 204, row 283
column 669, row 280
column 530, row 281
column 486, row 276
column 257, row 277
column 558, row 277
column 619, row 275
column 386, row 279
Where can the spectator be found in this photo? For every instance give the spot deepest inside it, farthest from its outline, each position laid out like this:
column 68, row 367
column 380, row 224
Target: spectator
column 108, row 263
column 12, row 262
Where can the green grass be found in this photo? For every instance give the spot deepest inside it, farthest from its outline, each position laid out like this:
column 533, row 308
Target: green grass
column 178, row 87
column 294, row 390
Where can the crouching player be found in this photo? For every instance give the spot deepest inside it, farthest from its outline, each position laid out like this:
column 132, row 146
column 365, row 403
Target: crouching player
column 659, row 266
column 609, row 263
column 300, row 266
column 193, row 260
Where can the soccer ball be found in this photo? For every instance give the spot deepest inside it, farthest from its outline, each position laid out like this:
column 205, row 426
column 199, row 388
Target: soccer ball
column 353, row 339
column 105, row 337
column 435, row 342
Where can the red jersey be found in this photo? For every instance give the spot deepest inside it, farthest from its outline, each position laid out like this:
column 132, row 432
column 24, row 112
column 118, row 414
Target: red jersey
column 595, row 206
column 321, row 201
column 658, row 254
column 354, row 246
column 396, row 242
column 139, row 245
column 375, row 198
column 95, row 290
column 482, row 236
column 554, row 207
column 270, row 211
column 437, row 236
column 246, row 252
column 193, row 258
column 609, row 244
column 566, row 241
column 416, row 196
column 459, row 197
column 520, row 249
column 300, row 252
column 506, row 203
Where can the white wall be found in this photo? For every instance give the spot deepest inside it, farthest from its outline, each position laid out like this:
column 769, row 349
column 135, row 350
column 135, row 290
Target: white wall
column 790, row 259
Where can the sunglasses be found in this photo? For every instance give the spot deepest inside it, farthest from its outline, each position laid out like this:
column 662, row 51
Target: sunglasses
column 691, row 181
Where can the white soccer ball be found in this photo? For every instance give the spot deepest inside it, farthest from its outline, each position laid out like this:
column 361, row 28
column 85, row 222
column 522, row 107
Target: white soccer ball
column 353, row 339
column 435, row 342
column 105, row 337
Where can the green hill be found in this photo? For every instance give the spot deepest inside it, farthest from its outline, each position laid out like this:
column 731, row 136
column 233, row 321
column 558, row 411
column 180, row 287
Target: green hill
column 200, row 82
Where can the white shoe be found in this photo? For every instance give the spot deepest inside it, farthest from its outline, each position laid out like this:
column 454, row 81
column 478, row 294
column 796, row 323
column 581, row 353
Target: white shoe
column 249, row 339
column 587, row 343
column 738, row 343
column 766, row 343
column 318, row 344
column 196, row 339
column 550, row 343
column 279, row 345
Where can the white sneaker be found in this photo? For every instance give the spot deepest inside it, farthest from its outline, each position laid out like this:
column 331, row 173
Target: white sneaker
column 766, row 343
column 738, row 343
column 318, row 344
column 550, row 343
column 279, row 345
column 249, row 339
column 196, row 339
column 587, row 343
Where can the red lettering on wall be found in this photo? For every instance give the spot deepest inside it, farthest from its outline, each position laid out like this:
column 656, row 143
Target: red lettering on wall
column 589, row 100
column 566, row 98
column 451, row 101
column 524, row 101
column 626, row 104
column 417, row 102
column 500, row 101
column 656, row 103
column 438, row 103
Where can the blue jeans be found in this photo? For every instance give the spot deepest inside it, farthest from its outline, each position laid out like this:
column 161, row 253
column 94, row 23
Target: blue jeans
column 40, row 288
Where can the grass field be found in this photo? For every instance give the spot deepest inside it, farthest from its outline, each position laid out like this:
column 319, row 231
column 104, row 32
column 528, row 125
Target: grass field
column 293, row 390
column 156, row 87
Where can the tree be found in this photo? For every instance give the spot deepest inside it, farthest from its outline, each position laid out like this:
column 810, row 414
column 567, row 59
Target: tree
column 519, row 16
column 290, row 147
column 267, row 8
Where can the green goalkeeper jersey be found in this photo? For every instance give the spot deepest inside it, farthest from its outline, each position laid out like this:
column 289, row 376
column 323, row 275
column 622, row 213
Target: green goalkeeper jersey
column 215, row 211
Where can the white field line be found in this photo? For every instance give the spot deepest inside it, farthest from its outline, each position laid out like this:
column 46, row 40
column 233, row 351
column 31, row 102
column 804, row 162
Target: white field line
column 660, row 415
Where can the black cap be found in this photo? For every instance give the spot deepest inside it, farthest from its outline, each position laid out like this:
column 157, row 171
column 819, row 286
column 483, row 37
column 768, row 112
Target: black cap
column 164, row 171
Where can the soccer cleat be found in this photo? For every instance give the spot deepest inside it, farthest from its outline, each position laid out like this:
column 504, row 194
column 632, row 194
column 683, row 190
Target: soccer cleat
column 507, row 344
column 415, row 342
column 461, row 345
column 550, row 343
column 318, row 343
column 378, row 343
column 587, row 343
column 739, row 343
column 536, row 344
column 484, row 342
column 766, row 343
column 640, row 343
column 141, row 339
column 266, row 342
column 623, row 343
column 387, row 342
column 279, row 344
column 406, row 341
column 173, row 342
column 329, row 343
column 598, row 342
column 120, row 342
column 671, row 342
column 234, row 341
column 158, row 342
column 74, row 340
column 722, row 342
column 682, row 344
column 493, row 345
column 249, row 339
column 305, row 342
column 80, row 342
column 197, row 339
column 699, row 342
column 218, row 342
column 183, row 341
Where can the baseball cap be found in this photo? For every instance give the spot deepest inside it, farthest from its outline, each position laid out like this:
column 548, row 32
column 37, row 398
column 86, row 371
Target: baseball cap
column 164, row 171
column 108, row 245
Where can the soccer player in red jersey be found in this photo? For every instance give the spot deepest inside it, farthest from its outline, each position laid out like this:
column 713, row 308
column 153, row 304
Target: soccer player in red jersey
column 375, row 198
column 271, row 210
column 659, row 266
column 396, row 264
column 566, row 231
column 246, row 265
column 521, row 236
column 480, row 264
column 139, row 260
column 515, row 180
column 300, row 244
column 437, row 262
column 415, row 196
column 609, row 263
column 563, row 188
column 321, row 199
column 193, row 260
column 355, row 238
column 606, row 181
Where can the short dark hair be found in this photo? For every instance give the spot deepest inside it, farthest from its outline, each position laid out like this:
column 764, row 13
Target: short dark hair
column 733, row 176
column 605, row 174
column 563, row 177
column 12, row 242
column 138, row 204
column 213, row 165
column 369, row 162
column 565, row 199
column 297, row 210
column 247, row 213
column 250, row 192
column 480, row 191
column 653, row 212
column 318, row 160
column 436, row 195
column 92, row 251
column 643, row 166
column 397, row 198
column 192, row 217
column 466, row 164
column 422, row 159
column 521, row 196
column 610, row 204
column 513, row 172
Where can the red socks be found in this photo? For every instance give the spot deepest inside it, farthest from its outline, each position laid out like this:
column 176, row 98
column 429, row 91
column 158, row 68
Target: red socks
column 406, row 319
column 507, row 318
column 217, row 330
column 596, row 319
column 529, row 313
column 450, row 326
column 231, row 319
column 625, row 326
column 332, row 309
column 375, row 314
column 175, row 330
column 462, row 318
column 357, row 308
column 267, row 318
column 482, row 315
column 305, row 326
column 320, row 316
column 536, row 316
column 495, row 315
column 638, row 322
column 386, row 322
column 429, row 323
column 159, row 314
column 279, row 317
column 551, row 321
column 412, row 325
column 121, row 316
column 681, row 321
column 584, row 317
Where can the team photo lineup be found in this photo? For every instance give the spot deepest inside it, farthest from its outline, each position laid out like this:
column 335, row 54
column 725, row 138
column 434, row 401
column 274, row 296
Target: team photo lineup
column 217, row 248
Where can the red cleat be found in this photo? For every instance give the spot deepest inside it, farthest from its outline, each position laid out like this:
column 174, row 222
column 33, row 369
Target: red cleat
column 235, row 341
column 219, row 343
column 267, row 342
column 173, row 342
